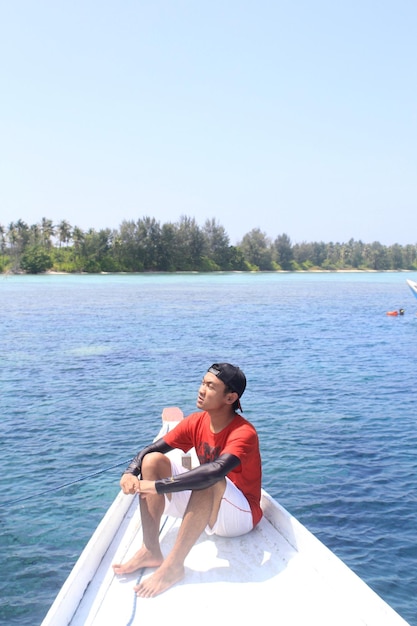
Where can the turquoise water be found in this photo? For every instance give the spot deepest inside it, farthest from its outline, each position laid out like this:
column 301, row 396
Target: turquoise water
column 89, row 362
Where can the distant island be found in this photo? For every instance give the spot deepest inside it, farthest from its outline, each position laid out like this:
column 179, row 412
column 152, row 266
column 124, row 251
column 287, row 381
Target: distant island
column 146, row 245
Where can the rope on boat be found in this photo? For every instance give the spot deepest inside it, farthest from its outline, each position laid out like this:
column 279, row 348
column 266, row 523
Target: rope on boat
column 58, row 487
column 141, row 572
column 133, row 614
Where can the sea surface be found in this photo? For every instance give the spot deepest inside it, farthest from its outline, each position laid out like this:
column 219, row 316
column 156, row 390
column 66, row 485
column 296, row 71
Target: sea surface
column 87, row 363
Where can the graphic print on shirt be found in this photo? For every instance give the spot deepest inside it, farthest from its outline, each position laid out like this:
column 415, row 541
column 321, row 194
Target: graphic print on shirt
column 207, row 453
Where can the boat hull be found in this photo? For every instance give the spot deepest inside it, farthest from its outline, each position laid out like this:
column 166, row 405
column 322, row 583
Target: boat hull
column 413, row 287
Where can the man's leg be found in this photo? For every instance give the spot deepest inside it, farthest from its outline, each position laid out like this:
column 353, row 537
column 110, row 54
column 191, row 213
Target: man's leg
column 201, row 511
column 154, row 467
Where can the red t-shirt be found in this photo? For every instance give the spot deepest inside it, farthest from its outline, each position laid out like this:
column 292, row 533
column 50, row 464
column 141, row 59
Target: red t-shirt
column 238, row 438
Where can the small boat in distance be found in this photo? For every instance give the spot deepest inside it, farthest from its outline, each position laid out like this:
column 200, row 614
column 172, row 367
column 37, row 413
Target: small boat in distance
column 279, row 569
column 413, row 287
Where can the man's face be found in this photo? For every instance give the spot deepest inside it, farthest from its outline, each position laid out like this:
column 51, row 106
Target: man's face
column 212, row 394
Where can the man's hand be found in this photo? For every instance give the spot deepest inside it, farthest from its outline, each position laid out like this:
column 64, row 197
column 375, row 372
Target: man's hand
column 129, row 483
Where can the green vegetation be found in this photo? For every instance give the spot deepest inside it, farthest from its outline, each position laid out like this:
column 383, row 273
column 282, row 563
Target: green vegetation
column 147, row 246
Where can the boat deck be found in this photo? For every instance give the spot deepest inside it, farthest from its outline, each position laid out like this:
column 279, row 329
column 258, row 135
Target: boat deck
column 238, row 579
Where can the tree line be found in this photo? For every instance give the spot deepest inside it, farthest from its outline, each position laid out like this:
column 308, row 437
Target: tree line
column 146, row 245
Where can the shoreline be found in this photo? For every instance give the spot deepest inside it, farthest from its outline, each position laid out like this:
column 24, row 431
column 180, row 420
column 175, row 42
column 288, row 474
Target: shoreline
column 312, row 271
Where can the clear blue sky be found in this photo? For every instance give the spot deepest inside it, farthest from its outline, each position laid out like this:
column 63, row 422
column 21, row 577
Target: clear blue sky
column 294, row 117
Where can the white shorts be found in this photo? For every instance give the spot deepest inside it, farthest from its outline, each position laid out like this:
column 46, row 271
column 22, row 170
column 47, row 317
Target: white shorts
column 235, row 515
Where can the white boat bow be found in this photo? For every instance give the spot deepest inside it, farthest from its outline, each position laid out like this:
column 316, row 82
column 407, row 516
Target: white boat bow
column 279, row 572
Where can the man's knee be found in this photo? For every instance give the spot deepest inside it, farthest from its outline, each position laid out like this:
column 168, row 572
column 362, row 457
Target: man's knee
column 155, row 466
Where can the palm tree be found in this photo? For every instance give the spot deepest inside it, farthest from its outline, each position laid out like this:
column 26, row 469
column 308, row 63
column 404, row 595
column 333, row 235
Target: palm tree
column 78, row 238
column 2, row 240
column 64, row 232
column 48, row 231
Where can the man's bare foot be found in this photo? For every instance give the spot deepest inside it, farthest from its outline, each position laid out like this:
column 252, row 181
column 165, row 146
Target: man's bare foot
column 142, row 558
column 161, row 580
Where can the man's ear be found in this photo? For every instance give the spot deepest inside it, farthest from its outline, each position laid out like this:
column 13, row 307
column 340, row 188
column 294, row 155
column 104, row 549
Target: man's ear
column 232, row 397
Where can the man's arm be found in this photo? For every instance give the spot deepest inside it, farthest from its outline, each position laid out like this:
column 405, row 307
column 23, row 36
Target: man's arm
column 136, row 463
column 201, row 477
column 130, row 481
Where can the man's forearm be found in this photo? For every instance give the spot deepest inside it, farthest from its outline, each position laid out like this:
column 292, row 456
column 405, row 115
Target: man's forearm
column 200, row 477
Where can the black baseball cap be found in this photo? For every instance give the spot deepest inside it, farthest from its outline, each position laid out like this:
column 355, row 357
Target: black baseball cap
column 231, row 376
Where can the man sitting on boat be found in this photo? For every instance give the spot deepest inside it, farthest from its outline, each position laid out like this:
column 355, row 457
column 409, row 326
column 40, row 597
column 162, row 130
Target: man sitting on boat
column 221, row 496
